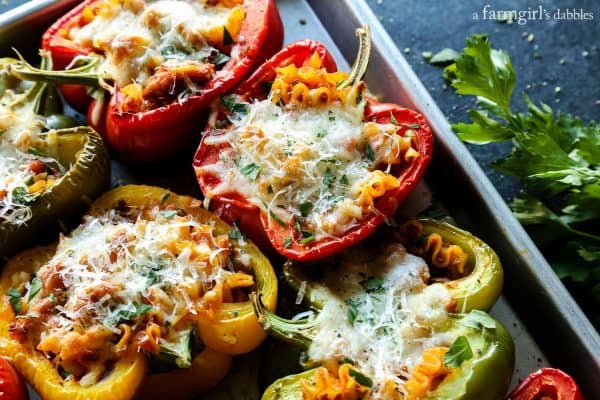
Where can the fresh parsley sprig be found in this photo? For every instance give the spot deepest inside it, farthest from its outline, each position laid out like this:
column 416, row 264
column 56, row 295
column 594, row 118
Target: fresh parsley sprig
column 555, row 155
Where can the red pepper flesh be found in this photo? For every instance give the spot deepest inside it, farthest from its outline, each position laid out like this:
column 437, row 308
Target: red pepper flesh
column 163, row 131
column 547, row 384
column 256, row 222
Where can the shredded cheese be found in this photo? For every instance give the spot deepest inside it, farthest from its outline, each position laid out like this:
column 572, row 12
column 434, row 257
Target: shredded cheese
column 24, row 172
column 136, row 277
column 380, row 314
column 161, row 45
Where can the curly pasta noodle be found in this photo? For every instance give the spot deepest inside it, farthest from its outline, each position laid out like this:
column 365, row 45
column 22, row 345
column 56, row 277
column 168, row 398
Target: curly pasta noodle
column 425, row 374
column 329, row 387
column 445, row 255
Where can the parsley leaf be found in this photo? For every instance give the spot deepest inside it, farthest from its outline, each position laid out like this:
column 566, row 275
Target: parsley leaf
column 251, row 171
column 164, row 197
column 287, row 242
column 129, row 312
column 14, row 298
column 369, row 153
column 444, row 56
column 235, row 233
column 232, row 105
column 478, row 320
column 328, row 178
column 360, row 378
column 227, row 39
column 555, row 155
column 458, row 352
column 34, row 288
column 372, row 285
column 168, row 214
column 306, row 208
column 352, row 312
column 20, row 195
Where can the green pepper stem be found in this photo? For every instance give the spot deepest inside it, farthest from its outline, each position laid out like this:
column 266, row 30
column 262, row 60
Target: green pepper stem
column 300, row 333
column 362, row 58
column 85, row 74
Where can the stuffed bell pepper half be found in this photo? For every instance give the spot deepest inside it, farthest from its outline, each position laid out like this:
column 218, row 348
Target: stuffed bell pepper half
column 49, row 167
column 397, row 317
column 147, row 297
column 305, row 159
column 162, row 61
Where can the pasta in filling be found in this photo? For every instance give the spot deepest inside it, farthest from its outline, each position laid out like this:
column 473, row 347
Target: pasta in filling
column 133, row 279
column 306, row 155
column 383, row 317
column 25, row 172
column 159, row 50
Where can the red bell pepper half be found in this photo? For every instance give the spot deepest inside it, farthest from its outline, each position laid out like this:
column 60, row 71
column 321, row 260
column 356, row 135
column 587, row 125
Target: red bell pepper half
column 258, row 224
column 547, row 384
column 160, row 132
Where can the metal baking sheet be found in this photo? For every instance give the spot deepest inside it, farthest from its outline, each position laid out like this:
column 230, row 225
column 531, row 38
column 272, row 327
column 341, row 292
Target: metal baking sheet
column 535, row 307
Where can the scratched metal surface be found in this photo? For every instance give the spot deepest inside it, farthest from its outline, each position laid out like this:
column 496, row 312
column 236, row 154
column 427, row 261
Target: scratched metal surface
column 535, row 307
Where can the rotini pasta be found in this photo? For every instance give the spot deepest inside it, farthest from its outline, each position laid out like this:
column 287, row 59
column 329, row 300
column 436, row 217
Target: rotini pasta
column 425, row 374
column 327, row 386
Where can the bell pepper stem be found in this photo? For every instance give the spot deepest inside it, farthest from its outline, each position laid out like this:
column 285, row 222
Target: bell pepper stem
column 299, row 333
column 362, row 58
column 86, row 73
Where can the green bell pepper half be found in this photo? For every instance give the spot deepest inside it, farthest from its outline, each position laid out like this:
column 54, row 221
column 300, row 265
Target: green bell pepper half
column 486, row 375
column 79, row 148
column 478, row 289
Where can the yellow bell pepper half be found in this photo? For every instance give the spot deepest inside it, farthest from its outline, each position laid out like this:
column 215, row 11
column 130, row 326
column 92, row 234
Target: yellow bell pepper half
column 233, row 330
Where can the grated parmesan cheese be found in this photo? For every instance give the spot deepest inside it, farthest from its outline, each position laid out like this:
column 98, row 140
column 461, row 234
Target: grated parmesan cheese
column 380, row 314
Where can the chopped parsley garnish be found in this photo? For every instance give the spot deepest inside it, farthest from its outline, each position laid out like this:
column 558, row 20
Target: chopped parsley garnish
column 14, row 298
column 321, row 133
column 168, row 214
column 478, row 320
column 21, row 196
column 360, row 378
column 414, row 126
column 307, row 239
column 330, row 116
column 219, row 58
column 328, row 179
column 164, row 197
column 346, row 360
column 129, row 312
column 274, row 216
column 35, row 152
column 352, row 312
column 458, row 352
column 232, row 105
column 372, row 285
column 251, row 171
column 344, row 180
column 369, row 153
column 270, row 189
column 393, row 119
column 287, row 242
column 306, row 208
column 235, row 233
column 227, row 39
column 34, row 287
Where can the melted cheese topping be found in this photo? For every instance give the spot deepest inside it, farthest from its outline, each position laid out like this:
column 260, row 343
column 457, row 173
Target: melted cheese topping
column 138, row 278
column 24, row 172
column 139, row 38
column 314, row 165
column 382, row 317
